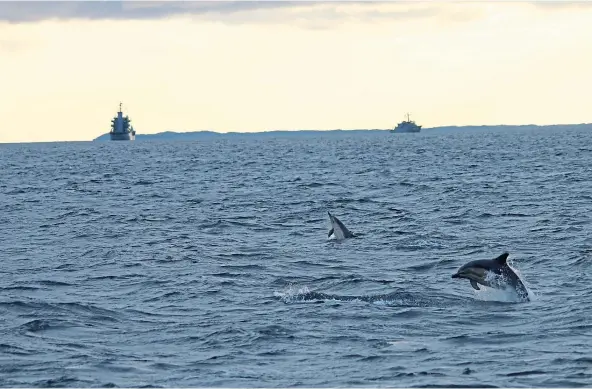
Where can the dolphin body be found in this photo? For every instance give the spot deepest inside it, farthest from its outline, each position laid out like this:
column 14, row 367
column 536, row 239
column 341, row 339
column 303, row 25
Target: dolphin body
column 494, row 273
column 337, row 228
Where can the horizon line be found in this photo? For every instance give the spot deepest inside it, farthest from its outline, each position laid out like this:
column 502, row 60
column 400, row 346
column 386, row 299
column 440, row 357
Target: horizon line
column 251, row 133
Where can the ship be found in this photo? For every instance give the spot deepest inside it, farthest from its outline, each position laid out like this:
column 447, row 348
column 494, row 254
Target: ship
column 121, row 128
column 407, row 126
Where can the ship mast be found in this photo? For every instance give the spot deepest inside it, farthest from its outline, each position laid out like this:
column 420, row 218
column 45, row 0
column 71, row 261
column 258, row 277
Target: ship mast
column 119, row 126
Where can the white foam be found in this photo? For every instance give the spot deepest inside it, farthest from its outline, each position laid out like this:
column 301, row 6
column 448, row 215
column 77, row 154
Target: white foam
column 503, row 291
column 292, row 293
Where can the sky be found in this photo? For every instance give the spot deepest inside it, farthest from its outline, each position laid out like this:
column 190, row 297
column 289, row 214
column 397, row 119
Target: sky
column 276, row 65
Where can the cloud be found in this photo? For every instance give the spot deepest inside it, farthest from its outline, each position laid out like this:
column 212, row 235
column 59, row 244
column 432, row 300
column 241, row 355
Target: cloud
column 266, row 11
column 558, row 5
column 33, row 11
column 307, row 12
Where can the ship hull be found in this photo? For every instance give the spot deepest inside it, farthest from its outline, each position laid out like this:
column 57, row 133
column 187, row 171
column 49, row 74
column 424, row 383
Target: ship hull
column 124, row 136
column 404, row 130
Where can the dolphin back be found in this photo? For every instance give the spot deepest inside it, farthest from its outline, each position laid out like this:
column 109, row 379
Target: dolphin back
column 347, row 233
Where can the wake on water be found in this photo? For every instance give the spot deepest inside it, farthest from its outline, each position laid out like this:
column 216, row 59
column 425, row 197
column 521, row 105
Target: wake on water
column 303, row 294
column 504, row 294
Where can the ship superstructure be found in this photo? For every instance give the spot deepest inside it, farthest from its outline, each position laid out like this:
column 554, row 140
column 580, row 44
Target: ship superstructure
column 121, row 128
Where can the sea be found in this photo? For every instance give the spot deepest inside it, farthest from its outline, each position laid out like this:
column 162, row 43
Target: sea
column 208, row 263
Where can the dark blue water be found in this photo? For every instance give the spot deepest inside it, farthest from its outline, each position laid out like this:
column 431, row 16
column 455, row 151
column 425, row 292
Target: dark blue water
column 208, row 263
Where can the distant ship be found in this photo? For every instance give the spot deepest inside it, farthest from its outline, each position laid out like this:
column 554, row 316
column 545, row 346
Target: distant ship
column 407, row 126
column 121, row 128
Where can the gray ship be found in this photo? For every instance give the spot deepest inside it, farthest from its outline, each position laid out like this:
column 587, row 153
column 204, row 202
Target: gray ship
column 121, row 128
column 407, row 126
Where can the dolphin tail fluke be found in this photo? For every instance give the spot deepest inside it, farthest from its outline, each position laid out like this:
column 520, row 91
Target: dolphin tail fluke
column 330, row 233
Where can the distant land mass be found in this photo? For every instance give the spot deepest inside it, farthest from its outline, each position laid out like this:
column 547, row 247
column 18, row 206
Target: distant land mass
column 193, row 135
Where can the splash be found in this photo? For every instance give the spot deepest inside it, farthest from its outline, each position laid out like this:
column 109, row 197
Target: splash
column 502, row 290
column 292, row 294
column 295, row 294
column 506, row 295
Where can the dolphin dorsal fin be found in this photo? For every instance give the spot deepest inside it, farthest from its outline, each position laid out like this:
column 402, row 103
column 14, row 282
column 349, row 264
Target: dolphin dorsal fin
column 502, row 258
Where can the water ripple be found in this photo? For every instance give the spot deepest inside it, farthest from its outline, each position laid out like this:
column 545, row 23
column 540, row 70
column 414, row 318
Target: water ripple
column 159, row 264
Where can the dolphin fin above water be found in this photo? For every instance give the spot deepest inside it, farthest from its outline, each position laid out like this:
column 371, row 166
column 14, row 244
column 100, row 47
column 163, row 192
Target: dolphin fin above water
column 474, row 285
column 338, row 228
column 502, row 259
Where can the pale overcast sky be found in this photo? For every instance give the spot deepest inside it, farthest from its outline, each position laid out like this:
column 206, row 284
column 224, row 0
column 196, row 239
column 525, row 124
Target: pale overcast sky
column 255, row 66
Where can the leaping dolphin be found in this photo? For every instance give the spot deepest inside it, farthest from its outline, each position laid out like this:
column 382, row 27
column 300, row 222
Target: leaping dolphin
column 494, row 273
column 337, row 228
